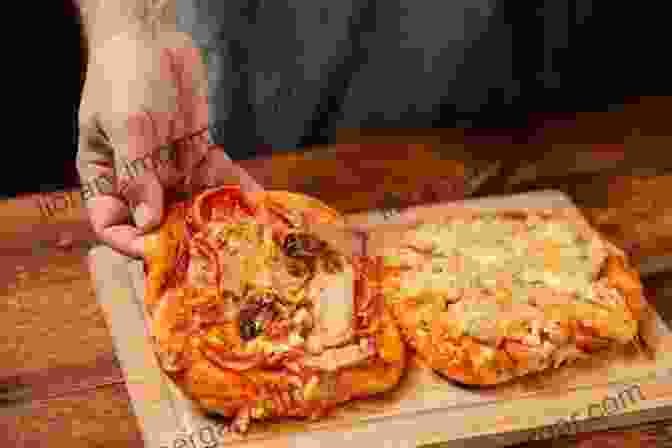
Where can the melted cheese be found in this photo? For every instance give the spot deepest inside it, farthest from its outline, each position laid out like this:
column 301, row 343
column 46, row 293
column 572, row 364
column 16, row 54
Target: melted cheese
column 544, row 257
column 262, row 344
column 490, row 245
column 333, row 299
column 485, row 358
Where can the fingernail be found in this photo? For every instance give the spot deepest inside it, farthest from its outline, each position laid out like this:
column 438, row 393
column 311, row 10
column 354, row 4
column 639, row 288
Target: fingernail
column 142, row 215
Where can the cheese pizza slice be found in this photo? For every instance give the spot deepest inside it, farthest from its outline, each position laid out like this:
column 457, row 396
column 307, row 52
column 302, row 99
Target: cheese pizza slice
column 485, row 297
column 253, row 317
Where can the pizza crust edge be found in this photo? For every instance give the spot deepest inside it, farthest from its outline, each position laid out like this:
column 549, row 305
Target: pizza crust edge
column 225, row 391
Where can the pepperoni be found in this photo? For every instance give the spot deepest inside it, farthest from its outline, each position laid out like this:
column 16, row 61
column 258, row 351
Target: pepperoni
column 229, row 207
column 293, row 367
column 278, row 329
column 305, row 373
column 287, row 358
column 588, row 340
column 277, row 402
column 226, row 201
column 286, row 399
column 234, row 361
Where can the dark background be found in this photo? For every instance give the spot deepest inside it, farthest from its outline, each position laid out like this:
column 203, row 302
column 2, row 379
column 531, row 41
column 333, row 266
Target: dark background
column 614, row 52
column 44, row 159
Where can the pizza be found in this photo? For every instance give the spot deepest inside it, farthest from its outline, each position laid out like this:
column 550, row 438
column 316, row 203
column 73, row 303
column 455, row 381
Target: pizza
column 255, row 318
column 488, row 296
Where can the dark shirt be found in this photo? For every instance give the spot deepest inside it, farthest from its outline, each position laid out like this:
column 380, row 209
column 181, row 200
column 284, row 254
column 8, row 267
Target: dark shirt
column 285, row 74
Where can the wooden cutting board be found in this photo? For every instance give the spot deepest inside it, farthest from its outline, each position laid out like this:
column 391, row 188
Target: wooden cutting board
column 621, row 388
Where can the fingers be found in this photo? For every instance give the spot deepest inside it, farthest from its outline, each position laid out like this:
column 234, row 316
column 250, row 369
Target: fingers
column 111, row 215
column 170, row 70
column 188, row 71
column 147, row 106
column 145, row 195
column 110, row 221
column 142, row 135
column 139, row 183
column 137, row 189
column 191, row 80
column 218, row 169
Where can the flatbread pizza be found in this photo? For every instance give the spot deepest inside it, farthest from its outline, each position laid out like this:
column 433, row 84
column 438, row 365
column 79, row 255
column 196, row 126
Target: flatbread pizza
column 255, row 318
column 488, row 296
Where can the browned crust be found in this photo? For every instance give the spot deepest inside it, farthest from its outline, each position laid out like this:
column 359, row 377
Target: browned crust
column 226, row 391
column 627, row 281
column 298, row 201
column 161, row 251
column 615, row 268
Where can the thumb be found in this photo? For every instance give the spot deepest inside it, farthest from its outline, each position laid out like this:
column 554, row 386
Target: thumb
column 217, row 168
column 144, row 194
column 138, row 180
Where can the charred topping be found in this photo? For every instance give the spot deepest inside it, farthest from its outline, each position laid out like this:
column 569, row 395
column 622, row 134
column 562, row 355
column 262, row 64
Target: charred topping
column 301, row 245
column 249, row 329
column 255, row 314
column 298, row 267
column 332, row 262
column 307, row 250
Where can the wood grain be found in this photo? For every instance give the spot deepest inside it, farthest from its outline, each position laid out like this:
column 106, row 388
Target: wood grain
column 421, row 399
column 48, row 302
column 96, row 417
column 55, row 342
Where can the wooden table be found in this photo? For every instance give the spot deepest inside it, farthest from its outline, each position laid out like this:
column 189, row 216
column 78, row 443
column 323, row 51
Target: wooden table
column 60, row 383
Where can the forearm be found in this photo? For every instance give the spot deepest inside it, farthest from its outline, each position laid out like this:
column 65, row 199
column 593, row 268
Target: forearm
column 105, row 19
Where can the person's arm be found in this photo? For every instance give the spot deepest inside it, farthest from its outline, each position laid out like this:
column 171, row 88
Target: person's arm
column 145, row 89
column 105, row 19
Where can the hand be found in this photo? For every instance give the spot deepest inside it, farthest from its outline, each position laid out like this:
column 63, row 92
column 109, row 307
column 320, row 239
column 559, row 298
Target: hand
column 143, row 94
